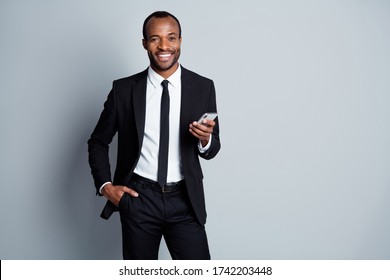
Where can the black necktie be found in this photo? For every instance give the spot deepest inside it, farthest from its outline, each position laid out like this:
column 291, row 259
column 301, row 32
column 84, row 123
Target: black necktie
column 164, row 136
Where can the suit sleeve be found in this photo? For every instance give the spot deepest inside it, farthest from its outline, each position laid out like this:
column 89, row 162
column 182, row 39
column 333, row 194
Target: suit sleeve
column 98, row 144
column 215, row 143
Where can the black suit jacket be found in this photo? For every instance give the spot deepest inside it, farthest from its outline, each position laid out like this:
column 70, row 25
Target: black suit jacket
column 124, row 113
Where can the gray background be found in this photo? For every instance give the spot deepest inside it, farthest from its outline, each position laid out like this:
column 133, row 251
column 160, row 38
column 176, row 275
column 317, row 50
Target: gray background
column 303, row 95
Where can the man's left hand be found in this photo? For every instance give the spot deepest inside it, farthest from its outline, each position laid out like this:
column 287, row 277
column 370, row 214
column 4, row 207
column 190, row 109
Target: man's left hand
column 202, row 131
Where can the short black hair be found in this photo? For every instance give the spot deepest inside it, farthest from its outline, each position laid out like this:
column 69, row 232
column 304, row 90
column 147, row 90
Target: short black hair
column 159, row 14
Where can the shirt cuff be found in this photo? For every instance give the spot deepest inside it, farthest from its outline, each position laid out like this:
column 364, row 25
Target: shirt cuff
column 205, row 148
column 101, row 188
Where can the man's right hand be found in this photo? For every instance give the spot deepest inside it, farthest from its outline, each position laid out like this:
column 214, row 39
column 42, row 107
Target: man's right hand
column 115, row 193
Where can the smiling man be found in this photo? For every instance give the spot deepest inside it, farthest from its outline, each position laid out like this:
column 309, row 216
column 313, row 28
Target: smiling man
column 157, row 186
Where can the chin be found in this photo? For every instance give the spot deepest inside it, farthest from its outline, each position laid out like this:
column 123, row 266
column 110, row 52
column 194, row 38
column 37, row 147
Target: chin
column 164, row 67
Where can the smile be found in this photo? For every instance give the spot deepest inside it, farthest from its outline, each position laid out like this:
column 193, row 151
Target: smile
column 166, row 55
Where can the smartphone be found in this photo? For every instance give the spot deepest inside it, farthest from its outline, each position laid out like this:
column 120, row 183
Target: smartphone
column 207, row 116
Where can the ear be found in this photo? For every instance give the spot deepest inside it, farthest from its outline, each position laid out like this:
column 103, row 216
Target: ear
column 144, row 43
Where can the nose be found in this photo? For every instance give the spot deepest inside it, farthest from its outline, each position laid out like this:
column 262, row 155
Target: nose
column 164, row 44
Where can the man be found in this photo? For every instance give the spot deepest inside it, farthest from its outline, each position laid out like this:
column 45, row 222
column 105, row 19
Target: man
column 157, row 185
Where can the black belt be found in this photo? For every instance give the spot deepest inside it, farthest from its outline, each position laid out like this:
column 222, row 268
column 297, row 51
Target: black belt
column 168, row 187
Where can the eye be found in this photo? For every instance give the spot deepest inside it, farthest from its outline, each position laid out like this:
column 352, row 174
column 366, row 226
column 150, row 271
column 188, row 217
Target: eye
column 153, row 40
column 172, row 39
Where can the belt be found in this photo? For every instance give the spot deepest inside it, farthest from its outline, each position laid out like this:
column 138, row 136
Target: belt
column 167, row 188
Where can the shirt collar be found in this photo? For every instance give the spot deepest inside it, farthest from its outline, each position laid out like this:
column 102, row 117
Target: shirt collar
column 156, row 80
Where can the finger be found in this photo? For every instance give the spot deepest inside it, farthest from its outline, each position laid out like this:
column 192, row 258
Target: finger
column 201, row 137
column 206, row 125
column 209, row 123
column 200, row 131
column 201, row 128
column 130, row 191
column 196, row 132
column 193, row 133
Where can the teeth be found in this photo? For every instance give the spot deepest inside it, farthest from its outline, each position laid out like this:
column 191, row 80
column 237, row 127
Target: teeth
column 165, row 55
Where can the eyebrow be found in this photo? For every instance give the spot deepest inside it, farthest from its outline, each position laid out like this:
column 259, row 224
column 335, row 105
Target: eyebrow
column 169, row 34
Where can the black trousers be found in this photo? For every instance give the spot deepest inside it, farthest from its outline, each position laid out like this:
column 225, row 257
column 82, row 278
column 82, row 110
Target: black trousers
column 153, row 214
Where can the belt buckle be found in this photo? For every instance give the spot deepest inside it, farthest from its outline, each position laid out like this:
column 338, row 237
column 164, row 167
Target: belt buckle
column 163, row 190
column 167, row 188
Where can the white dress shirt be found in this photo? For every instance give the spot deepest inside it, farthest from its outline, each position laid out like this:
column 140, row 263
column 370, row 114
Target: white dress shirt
column 147, row 165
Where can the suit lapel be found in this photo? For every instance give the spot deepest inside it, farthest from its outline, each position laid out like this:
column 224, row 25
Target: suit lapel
column 187, row 95
column 139, row 103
